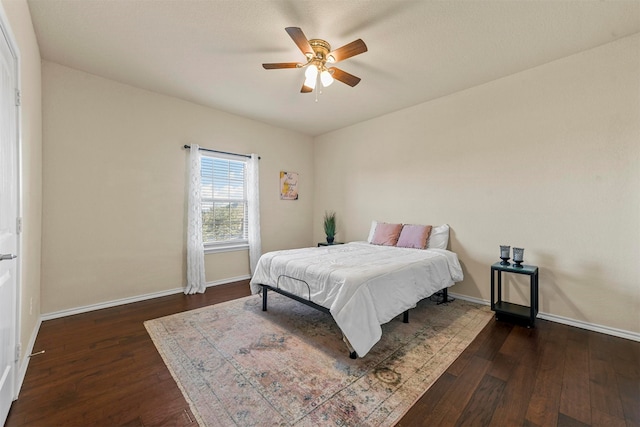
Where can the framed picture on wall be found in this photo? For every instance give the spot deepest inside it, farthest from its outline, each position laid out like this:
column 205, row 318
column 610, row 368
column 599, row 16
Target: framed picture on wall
column 288, row 185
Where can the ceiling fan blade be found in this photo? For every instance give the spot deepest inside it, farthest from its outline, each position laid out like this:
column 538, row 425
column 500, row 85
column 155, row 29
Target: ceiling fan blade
column 344, row 77
column 305, row 89
column 300, row 39
column 347, row 51
column 278, row 65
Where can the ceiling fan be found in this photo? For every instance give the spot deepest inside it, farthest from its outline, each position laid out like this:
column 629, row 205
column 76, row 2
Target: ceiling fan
column 318, row 53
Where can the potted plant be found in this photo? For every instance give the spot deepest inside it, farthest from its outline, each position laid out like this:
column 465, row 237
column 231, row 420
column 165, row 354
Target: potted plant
column 330, row 226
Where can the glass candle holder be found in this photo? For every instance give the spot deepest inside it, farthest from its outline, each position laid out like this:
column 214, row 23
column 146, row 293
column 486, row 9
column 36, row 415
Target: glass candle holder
column 504, row 254
column 518, row 256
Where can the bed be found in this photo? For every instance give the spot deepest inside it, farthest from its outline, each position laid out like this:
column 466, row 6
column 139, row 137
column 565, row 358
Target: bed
column 362, row 285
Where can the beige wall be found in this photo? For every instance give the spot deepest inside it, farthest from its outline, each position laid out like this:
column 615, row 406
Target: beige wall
column 114, row 188
column 547, row 159
column 19, row 17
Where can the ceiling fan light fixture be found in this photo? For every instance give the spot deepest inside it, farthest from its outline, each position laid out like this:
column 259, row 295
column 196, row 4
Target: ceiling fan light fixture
column 311, row 72
column 311, row 75
column 310, row 83
column 326, row 78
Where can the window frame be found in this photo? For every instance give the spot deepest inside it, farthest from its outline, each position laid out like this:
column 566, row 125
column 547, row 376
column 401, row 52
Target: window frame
column 225, row 245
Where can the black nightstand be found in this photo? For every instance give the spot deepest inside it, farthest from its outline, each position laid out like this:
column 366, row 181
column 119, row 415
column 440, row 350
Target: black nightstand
column 329, row 244
column 509, row 309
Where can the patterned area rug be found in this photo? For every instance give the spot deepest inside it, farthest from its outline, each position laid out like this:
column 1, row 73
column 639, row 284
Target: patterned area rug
column 239, row 366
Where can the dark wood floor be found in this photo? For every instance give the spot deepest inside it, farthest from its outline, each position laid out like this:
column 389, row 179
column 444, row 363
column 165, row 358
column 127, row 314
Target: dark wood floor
column 102, row 369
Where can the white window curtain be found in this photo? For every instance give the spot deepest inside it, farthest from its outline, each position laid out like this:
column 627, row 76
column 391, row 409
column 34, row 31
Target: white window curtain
column 253, row 201
column 195, row 250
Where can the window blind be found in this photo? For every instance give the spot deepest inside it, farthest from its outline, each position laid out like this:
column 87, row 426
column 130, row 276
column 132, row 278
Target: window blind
column 224, row 200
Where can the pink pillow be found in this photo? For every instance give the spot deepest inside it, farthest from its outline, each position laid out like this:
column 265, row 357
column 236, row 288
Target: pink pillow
column 414, row 236
column 386, row 234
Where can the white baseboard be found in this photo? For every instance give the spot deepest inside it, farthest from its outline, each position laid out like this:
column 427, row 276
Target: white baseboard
column 22, row 371
column 470, row 299
column 620, row 333
column 122, row 301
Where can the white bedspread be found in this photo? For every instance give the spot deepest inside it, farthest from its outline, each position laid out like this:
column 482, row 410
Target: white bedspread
column 363, row 285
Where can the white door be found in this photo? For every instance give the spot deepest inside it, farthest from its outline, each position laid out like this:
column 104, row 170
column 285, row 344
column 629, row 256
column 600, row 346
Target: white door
column 8, row 222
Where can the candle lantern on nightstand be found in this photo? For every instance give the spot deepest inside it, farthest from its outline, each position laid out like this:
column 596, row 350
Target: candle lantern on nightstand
column 518, row 256
column 504, row 254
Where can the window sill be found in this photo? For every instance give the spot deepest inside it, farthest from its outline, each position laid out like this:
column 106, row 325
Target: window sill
column 225, row 248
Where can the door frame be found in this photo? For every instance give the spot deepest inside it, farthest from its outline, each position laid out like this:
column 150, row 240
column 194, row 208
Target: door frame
column 5, row 29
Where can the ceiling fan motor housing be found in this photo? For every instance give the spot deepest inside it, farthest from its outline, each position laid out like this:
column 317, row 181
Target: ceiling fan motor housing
column 321, row 50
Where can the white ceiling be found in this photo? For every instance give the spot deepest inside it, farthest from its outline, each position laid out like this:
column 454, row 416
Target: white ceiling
column 210, row 51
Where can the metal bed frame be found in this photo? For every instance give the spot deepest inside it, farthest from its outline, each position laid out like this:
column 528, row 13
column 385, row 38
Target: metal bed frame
column 308, row 302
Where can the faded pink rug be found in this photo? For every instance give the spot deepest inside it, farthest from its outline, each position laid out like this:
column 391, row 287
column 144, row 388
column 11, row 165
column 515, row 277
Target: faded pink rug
column 239, row 366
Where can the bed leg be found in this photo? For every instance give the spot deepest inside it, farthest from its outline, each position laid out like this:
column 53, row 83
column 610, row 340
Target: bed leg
column 405, row 317
column 445, row 296
column 264, row 298
column 352, row 351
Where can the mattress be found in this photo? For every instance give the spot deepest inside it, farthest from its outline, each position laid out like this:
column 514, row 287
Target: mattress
column 362, row 285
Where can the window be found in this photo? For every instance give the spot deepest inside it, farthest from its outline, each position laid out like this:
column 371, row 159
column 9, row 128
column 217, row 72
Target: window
column 223, row 182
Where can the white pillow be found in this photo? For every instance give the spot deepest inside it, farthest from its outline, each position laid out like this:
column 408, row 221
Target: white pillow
column 374, row 224
column 439, row 238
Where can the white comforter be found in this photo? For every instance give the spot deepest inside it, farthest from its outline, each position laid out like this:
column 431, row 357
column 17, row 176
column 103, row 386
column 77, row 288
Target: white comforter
column 363, row 285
